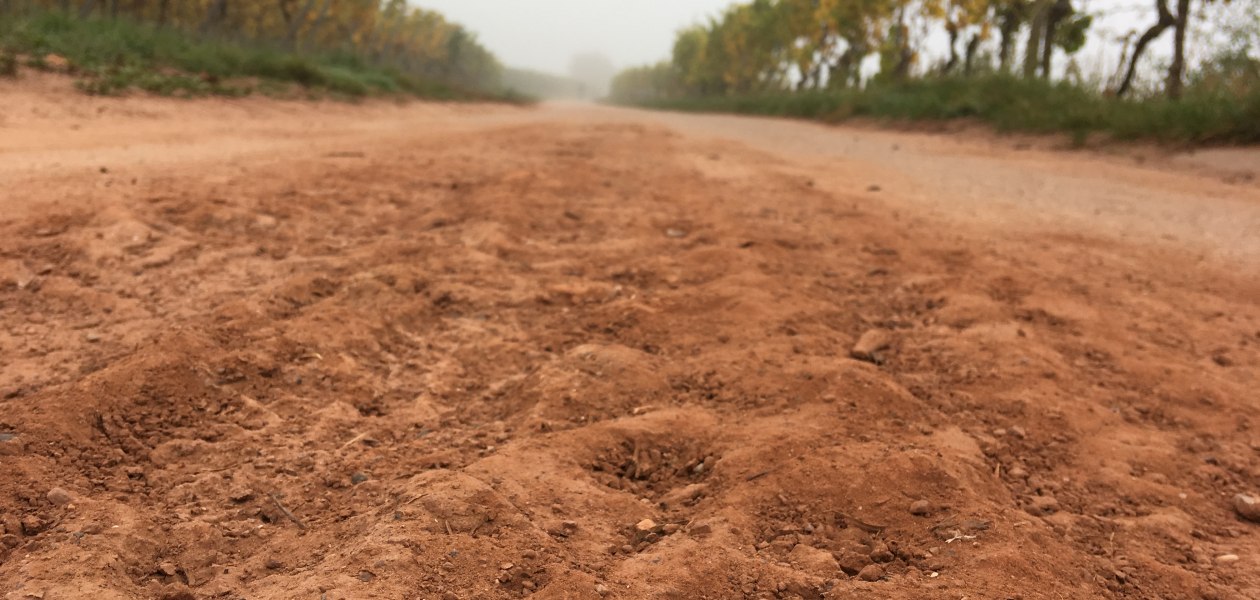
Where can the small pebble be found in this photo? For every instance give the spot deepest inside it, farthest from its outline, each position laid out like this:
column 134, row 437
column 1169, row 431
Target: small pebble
column 645, row 525
column 601, row 589
column 1247, row 507
column 921, row 508
column 59, row 496
column 1227, row 558
column 507, row 566
column 869, row 346
column 358, row 477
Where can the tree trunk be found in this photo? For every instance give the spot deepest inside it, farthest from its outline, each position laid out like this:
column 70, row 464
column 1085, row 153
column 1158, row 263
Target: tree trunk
column 970, row 57
column 215, row 15
column 904, row 54
column 1121, row 64
column 952, row 30
column 1061, row 9
column 1166, row 20
column 1176, row 71
column 1012, row 17
column 1036, row 34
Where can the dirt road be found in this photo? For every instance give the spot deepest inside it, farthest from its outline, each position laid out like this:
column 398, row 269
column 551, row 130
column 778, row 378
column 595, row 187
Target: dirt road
column 277, row 350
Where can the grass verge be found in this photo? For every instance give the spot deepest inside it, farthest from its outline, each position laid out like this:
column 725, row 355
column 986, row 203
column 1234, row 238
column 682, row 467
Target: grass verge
column 1011, row 104
column 111, row 56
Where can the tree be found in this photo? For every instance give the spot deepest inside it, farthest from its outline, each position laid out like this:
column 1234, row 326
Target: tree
column 1164, row 21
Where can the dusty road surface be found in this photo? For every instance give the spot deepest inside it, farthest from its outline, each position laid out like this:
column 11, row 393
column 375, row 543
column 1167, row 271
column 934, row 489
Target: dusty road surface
column 275, row 350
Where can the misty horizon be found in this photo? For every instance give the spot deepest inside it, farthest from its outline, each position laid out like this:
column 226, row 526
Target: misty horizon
column 547, row 36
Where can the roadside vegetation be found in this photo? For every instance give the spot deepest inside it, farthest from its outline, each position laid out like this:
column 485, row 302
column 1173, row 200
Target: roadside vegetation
column 344, row 48
column 1009, row 63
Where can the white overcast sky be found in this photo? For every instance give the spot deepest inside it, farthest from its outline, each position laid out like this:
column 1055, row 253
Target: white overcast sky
column 546, row 34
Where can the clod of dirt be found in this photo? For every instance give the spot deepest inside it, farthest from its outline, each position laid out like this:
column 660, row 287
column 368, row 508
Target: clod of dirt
column 813, row 560
column 92, row 337
column 59, row 496
column 645, row 526
column 881, row 554
column 1018, row 473
column 871, row 573
column 1043, row 505
column 1247, row 507
column 700, row 528
column 32, row 525
column 871, row 344
column 852, row 563
column 1227, row 558
column 920, row 508
column 675, row 233
column 874, row 188
column 358, row 477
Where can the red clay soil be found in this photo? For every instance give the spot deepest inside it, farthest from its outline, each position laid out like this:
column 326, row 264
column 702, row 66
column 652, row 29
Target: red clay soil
column 273, row 350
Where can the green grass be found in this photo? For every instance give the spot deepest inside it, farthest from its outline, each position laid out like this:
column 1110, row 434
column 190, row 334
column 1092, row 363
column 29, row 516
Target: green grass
column 111, row 56
column 1013, row 105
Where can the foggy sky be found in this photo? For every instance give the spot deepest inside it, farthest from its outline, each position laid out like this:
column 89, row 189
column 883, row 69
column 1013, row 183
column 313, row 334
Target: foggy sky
column 546, row 34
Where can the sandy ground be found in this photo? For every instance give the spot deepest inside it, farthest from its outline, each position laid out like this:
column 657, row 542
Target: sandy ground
column 276, row 350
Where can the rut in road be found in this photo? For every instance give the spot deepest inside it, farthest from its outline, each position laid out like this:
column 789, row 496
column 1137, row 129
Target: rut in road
column 602, row 359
